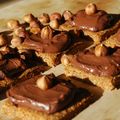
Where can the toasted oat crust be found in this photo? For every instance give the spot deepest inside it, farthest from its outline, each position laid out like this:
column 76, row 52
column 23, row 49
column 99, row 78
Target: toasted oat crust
column 22, row 113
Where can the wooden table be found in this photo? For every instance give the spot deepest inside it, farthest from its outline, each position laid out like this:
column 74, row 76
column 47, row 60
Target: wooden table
column 108, row 106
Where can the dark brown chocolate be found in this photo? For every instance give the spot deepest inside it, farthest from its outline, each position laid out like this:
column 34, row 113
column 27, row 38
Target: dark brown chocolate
column 56, row 44
column 28, row 94
column 95, row 22
column 101, row 66
column 12, row 66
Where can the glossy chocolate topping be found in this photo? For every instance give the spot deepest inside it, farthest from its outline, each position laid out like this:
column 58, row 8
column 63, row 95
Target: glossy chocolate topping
column 56, row 44
column 101, row 66
column 95, row 22
column 14, row 63
column 11, row 66
column 29, row 95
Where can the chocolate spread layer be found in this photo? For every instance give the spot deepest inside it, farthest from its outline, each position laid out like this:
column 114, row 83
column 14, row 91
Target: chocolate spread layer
column 95, row 22
column 56, row 44
column 27, row 94
column 101, row 66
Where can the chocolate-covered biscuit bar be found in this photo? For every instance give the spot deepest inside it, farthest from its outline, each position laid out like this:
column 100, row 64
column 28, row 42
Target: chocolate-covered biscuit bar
column 45, row 97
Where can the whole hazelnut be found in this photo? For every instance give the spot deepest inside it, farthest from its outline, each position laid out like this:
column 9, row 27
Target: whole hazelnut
column 55, row 15
column 90, row 9
column 3, row 40
column 34, row 23
column 54, row 24
column 100, row 50
column 12, row 24
column 16, row 41
column 46, row 33
column 67, row 15
column 44, row 18
column 35, row 27
column 65, row 60
column 20, row 31
column 28, row 18
column 43, row 83
column 35, row 30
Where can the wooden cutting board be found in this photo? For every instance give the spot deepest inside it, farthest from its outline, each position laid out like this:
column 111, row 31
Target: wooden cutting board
column 108, row 106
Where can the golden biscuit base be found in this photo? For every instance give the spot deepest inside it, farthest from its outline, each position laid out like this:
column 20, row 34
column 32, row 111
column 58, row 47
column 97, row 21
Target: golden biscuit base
column 4, row 84
column 81, row 101
column 102, row 35
column 112, row 41
column 52, row 59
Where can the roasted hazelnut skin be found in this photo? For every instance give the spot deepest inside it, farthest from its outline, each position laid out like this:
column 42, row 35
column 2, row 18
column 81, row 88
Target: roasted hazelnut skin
column 67, row 15
column 12, row 24
column 90, row 9
column 16, row 41
column 35, row 27
column 28, row 18
column 55, row 15
column 65, row 60
column 100, row 50
column 46, row 33
column 54, row 24
column 43, row 83
column 20, row 31
column 44, row 18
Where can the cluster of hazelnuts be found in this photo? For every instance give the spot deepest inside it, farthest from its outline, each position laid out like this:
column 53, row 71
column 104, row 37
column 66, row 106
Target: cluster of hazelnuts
column 44, row 24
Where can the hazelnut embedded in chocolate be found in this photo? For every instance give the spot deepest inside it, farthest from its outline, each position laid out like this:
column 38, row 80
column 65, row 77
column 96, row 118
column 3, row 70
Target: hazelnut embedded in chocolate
column 67, row 15
column 54, row 24
column 34, row 23
column 28, row 18
column 3, row 40
column 90, row 9
column 20, row 31
column 16, row 41
column 100, row 50
column 12, row 24
column 65, row 60
column 44, row 18
column 55, row 15
column 46, row 33
column 43, row 82
column 35, row 27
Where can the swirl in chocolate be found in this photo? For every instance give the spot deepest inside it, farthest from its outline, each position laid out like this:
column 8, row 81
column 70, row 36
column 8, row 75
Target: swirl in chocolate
column 101, row 66
column 56, row 44
column 29, row 95
column 95, row 22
